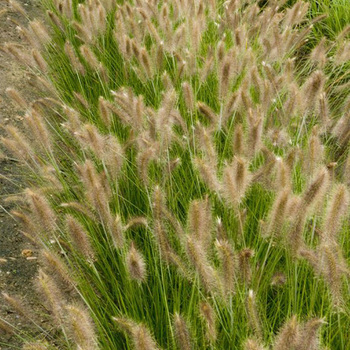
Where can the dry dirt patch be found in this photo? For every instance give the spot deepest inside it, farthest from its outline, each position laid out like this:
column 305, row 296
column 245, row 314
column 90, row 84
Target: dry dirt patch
column 18, row 264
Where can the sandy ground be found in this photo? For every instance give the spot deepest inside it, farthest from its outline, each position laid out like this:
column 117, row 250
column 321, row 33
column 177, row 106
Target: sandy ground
column 17, row 273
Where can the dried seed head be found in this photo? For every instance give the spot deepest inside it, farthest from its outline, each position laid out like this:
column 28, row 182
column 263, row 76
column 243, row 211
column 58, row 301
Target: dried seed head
column 315, row 154
column 278, row 279
column 40, row 32
column 198, row 257
column 74, row 60
column 36, row 346
column 244, row 265
column 18, row 146
column 208, row 174
column 278, row 214
column 136, row 264
column 57, row 266
column 207, row 112
column 16, row 304
column 253, row 316
column 97, row 190
column 143, row 339
column 125, row 324
column 90, row 57
column 312, row 88
column 288, row 335
column 17, row 98
column 205, row 141
column 81, row 99
column 316, row 190
column 330, row 262
column 81, row 328
column 182, row 333
column 117, row 232
column 199, row 221
column 238, row 141
column 104, row 111
column 335, row 212
column 139, row 334
column 54, row 298
column 225, row 75
column 229, row 265
column 55, row 20
column 295, row 234
column 319, row 54
column 283, row 180
column 188, row 96
column 209, row 317
column 308, row 337
column 17, row 7
column 146, row 63
column 143, row 161
column 158, row 205
column 37, row 126
column 252, row 344
column 44, row 216
column 235, row 181
column 80, row 238
column 6, row 327
column 39, row 60
column 323, row 110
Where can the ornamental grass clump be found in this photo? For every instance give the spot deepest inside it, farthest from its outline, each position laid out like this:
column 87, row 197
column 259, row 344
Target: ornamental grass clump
column 188, row 169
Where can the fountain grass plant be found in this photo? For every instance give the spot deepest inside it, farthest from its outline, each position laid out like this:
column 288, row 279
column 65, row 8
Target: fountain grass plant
column 189, row 173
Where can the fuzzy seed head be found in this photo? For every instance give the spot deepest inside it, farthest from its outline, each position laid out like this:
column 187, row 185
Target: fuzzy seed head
column 81, row 328
column 182, row 333
column 80, row 238
column 209, row 317
column 136, row 264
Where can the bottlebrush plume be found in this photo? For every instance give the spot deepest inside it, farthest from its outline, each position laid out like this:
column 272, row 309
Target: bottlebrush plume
column 199, row 221
column 244, row 265
column 207, row 112
column 53, row 296
column 316, row 189
column 309, row 337
column 139, row 333
column 56, row 266
column 288, row 335
column 36, row 346
column 18, row 146
column 253, row 316
column 80, row 238
column 136, row 264
column 209, row 317
column 80, row 327
column 252, row 344
column 16, row 304
column 182, row 333
column 17, row 98
column 188, row 96
column 43, row 215
column 229, row 265
column 238, row 141
column 235, row 181
column 17, row 7
column 208, row 174
column 336, row 211
column 40, row 32
column 312, row 88
column 74, row 60
column 278, row 213
column 206, row 272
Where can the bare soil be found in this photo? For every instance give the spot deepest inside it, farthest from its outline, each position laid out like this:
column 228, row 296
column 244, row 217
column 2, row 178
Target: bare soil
column 18, row 264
